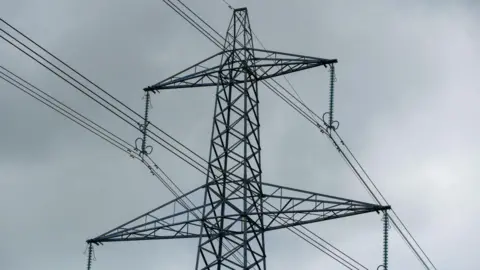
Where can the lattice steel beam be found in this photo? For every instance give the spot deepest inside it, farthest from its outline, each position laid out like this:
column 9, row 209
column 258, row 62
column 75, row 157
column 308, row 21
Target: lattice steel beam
column 283, row 207
column 237, row 207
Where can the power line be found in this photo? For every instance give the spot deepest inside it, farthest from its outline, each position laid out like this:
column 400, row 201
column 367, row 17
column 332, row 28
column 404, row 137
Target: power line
column 192, row 22
column 69, row 67
column 98, row 87
column 78, row 118
column 135, row 125
column 130, row 149
column 273, row 89
column 266, row 83
column 71, row 78
column 93, row 127
column 392, row 210
column 299, row 109
column 299, row 99
column 66, row 80
column 101, row 132
column 228, row 4
column 88, row 127
column 64, row 110
column 317, row 124
column 198, row 17
column 128, row 118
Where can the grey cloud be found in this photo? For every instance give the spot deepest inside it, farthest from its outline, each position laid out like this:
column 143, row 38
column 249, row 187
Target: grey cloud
column 406, row 100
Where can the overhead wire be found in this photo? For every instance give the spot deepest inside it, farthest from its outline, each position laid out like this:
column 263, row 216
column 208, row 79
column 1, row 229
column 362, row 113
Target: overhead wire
column 68, row 66
column 189, row 150
column 129, row 119
column 198, row 17
column 298, row 231
column 191, row 21
column 80, row 119
column 66, row 110
column 63, row 78
column 66, row 80
column 188, row 159
column 273, row 89
column 174, row 150
column 264, row 82
column 351, row 165
column 53, row 103
column 348, row 262
column 228, row 4
column 96, row 85
column 298, row 97
column 316, row 123
column 392, row 210
column 319, row 125
column 96, row 129
column 356, row 172
column 310, row 240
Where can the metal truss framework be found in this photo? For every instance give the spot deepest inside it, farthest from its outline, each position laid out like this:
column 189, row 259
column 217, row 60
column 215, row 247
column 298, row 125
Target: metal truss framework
column 238, row 208
column 284, row 207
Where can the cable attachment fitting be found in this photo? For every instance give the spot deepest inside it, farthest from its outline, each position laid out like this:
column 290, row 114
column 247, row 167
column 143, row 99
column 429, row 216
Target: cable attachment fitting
column 331, row 124
column 144, row 148
column 386, row 228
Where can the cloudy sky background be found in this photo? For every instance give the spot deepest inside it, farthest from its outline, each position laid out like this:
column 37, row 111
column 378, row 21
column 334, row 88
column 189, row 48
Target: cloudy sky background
column 407, row 100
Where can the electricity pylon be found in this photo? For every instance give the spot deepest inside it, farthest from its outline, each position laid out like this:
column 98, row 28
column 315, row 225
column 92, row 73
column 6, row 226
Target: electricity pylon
column 238, row 207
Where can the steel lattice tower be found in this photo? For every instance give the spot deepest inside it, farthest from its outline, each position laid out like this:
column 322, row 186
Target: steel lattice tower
column 237, row 208
column 234, row 170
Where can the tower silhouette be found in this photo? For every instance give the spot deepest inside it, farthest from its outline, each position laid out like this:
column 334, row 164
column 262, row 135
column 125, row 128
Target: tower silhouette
column 238, row 208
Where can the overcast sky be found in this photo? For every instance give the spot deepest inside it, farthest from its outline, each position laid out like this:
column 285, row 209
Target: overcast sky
column 406, row 100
